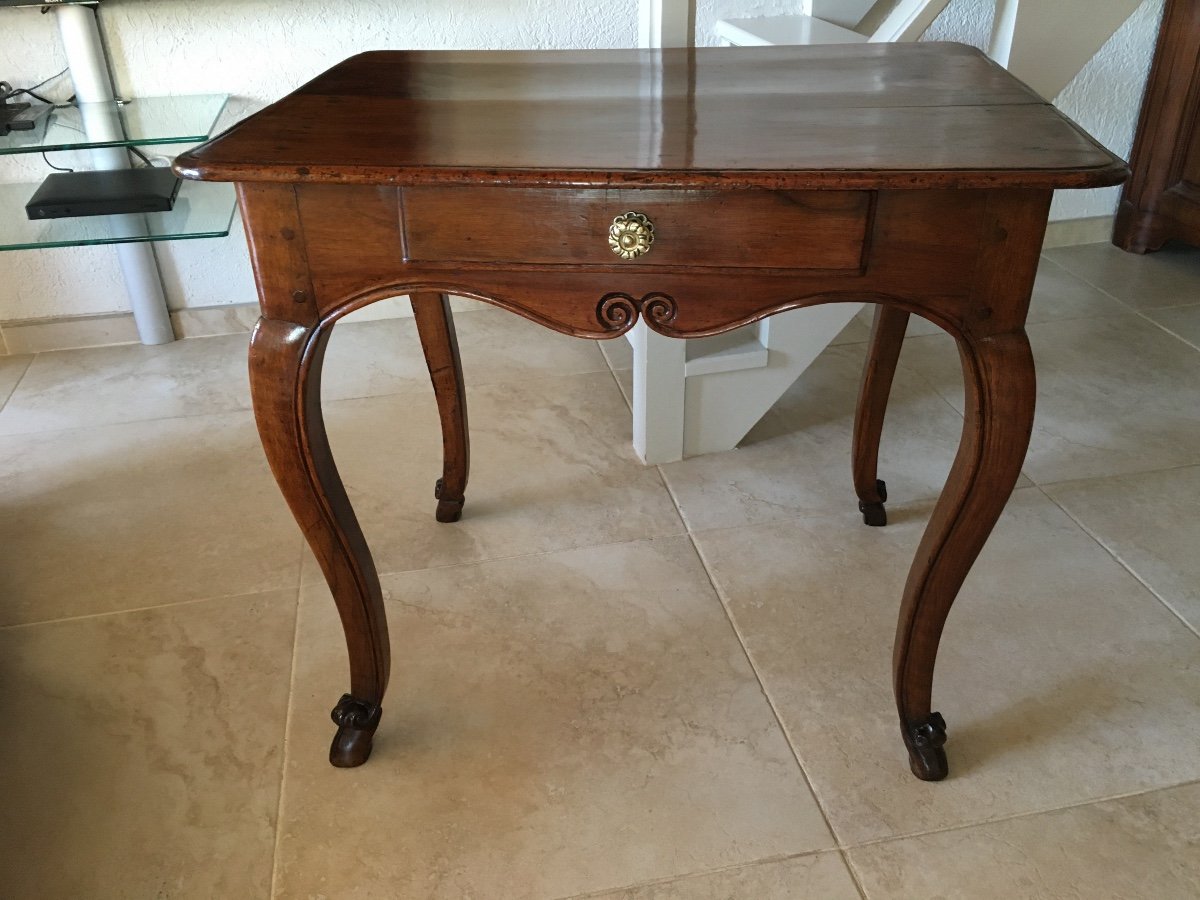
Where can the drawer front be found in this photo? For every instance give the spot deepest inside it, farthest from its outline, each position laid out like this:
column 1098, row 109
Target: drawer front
column 557, row 226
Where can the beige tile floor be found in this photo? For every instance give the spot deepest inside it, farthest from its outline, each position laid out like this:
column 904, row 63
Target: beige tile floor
column 610, row 681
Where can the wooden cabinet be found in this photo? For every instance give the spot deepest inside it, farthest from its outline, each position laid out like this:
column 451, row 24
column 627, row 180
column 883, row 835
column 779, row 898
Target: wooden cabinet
column 1161, row 202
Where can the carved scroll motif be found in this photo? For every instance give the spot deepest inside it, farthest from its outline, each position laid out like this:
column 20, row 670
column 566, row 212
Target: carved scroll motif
column 619, row 311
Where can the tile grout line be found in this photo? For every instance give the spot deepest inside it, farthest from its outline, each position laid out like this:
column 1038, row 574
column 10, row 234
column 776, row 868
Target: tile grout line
column 843, row 848
column 137, row 609
column 1140, row 312
column 417, row 387
column 1029, row 814
column 1164, row 328
column 1131, row 473
column 1124, row 565
column 702, row 873
column 613, row 372
column 723, row 600
column 321, row 581
column 17, row 383
column 1129, row 306
column 283, row 760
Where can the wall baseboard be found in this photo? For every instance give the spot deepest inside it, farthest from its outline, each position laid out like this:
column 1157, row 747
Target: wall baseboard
column 68, row 332
column 73, row 332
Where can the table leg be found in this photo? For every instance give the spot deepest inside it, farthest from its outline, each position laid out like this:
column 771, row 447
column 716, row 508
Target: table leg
column 1000, row 395
column 883, row 352
column 435, row 325
column 285, row 381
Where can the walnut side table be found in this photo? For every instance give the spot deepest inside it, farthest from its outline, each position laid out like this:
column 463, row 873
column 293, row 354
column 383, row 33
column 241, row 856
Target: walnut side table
column 697, row 189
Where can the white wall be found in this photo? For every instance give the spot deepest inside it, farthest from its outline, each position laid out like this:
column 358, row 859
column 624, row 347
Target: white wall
column 257, row 50
column 260, row 49
column 1104, row 97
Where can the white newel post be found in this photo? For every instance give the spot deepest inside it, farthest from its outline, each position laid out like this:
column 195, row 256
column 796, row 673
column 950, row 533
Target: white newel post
column 658, row 362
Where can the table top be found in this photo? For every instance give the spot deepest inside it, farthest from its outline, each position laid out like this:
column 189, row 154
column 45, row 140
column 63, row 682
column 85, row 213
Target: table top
column 848, row 116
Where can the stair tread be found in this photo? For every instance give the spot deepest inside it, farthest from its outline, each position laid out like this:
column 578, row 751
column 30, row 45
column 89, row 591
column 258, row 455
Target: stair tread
column 729, row 352
column 779, row 30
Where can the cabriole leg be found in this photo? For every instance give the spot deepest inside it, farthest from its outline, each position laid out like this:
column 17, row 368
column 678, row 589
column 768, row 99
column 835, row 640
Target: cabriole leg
column 285, row 381
column 435, row 325
column 887, row 336
column 1000, row 392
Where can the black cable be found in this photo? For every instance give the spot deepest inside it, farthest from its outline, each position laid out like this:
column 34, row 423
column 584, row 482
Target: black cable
column 31, row 91
column 48, row 80
column 140, row 155
column 53, row 166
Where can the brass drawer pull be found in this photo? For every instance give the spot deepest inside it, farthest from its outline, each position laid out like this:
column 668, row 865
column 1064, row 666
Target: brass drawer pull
column 630, row 235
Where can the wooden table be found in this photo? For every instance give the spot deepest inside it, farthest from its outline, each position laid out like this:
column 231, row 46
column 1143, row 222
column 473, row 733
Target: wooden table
column 698, row 189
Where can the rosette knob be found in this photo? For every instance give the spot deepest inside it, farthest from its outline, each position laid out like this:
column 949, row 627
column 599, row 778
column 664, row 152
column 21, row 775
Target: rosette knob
column 630, row 235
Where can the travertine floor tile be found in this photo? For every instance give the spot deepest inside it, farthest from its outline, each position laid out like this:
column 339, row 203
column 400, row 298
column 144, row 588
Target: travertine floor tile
column 1148, row 521
column 72, row 388
column 1183, row 321
column 1059, row 294
column 1061, row 678
column 818, row 875
column 551, row 468
column 11, row 370
column 384, row 357
column 859, row 328
column 1170, row 277
column 796, row 461
column 129, row 383
column 557, row 724
column 1137, row 847
column 126, row 516
column 143, row 751
column 618, row 352
column 624, row 379
column 1115, row 395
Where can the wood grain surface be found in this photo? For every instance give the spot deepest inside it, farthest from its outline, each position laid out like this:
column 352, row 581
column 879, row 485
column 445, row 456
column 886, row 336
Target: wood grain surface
column 917, row 177
column 861, row 115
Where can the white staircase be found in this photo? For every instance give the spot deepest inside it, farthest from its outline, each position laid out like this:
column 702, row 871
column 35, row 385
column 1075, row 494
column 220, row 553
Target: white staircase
column 703, row 396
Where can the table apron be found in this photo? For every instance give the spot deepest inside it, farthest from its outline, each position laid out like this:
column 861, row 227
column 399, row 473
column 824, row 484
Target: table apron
column 323, row 250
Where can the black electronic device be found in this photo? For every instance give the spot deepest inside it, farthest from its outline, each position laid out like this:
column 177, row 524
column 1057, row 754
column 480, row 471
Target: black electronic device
column 18, row 115
column 104, row 193
column 21, row 116
column 44, row 3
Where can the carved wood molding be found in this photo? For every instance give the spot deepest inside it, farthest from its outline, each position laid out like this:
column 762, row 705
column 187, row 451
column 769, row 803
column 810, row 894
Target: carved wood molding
column 618, row 311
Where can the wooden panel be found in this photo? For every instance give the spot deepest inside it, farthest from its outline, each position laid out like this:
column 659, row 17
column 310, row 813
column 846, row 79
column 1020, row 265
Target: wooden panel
column 851, row 116
column 797, row 230
column 1159, row 202
column 353, row 237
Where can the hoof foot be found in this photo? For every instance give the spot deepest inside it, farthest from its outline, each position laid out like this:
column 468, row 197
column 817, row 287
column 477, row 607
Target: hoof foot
column 449, row 509
column 873, row 513
column 925, row 741
column 356, row 722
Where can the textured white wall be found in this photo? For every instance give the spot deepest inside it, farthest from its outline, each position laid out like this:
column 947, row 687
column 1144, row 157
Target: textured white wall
column 966, row 21
column 1105, row 97
column 709, row 12
column 260, row 49
column 256, row 50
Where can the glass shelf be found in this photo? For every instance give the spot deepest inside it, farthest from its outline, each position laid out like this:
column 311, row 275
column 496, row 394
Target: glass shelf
column 202, row 210
column 128, row 123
